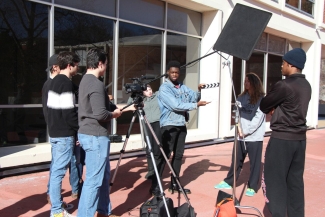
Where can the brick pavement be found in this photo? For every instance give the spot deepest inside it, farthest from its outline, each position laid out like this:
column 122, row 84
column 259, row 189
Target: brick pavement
column 24, row 195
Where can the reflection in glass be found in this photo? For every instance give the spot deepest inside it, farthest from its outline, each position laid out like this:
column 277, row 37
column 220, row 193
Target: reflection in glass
column 78, row 32
column 139, row 54
column 293, row 3
column 303, row 5
column 23, row 56
column 256, row 64
column 276, row 44
column 262, row 42
column 105, row 7
column 185, row 49
column 184, row 20
column 20, row 126
column 307, row 6
column 274, row 73
column 140, row 10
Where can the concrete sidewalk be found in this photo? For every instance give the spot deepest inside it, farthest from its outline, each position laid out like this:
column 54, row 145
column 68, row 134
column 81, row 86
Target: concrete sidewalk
column 203, row 167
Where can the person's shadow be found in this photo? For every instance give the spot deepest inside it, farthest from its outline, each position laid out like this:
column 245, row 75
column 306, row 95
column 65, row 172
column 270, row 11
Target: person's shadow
column 193, row 171
column 35, row 202
column 125, row 177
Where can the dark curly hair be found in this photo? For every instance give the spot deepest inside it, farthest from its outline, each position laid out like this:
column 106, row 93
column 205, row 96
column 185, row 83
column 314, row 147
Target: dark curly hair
column 257, row 86
column 173, row 63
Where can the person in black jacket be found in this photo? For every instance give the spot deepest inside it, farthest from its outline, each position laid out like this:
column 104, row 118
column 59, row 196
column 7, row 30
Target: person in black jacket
column 287, row 102
column 75, row 167
column 62, row 120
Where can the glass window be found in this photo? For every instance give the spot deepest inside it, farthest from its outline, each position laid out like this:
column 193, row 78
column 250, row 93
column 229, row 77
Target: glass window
column 185, row 49
column 303, row 5
column 294, row 3
column 141, row 10
column 256, row 64
column 23, row 56
column 20, row 126
column 262, row 43
column 78, row 32
column 139, row 54
column 105, row 7
column 308, row 6
column 276, row 45
column 274, row 73
column 184, row 20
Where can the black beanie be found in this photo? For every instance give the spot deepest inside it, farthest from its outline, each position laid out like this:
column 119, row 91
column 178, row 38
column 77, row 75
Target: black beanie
column 296, row 57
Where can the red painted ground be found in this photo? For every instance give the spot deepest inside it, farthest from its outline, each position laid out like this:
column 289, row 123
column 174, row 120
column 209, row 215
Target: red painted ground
column 203, row 167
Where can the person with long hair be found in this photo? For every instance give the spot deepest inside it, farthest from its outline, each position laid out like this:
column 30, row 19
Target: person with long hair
column 251, row 131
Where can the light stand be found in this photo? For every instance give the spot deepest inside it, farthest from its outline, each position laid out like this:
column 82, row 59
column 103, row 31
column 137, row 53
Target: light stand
column 237, row 119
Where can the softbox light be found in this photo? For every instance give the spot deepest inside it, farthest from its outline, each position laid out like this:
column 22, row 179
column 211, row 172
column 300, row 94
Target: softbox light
column 242, row 31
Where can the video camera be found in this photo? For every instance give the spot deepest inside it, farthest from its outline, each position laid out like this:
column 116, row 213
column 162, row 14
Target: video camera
column 137, row 87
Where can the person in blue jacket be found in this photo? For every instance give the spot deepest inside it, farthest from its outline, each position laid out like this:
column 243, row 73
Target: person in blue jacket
column 175, row 100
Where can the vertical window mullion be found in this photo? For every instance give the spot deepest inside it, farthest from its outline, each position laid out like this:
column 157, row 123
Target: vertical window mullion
column 243, row 73
column 115, row 62
column 266, row 57
column 299, row 5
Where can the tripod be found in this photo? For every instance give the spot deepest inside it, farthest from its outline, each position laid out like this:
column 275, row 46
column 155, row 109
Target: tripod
column 144, row 126
column 237, row 118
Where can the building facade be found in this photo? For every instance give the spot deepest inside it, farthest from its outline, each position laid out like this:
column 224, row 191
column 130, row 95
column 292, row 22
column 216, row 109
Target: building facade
column 140, row 37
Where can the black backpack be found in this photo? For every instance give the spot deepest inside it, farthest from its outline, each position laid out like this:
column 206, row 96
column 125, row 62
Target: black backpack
column 155, row 207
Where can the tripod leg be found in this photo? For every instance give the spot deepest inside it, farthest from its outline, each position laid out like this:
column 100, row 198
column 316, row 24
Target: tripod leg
column 123, row 149
column 167, row 161
column 145, row 123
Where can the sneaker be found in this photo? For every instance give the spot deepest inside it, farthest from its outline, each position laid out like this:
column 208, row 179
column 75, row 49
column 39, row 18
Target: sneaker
column 223, row 185
column 64, row 213
column 250, row 192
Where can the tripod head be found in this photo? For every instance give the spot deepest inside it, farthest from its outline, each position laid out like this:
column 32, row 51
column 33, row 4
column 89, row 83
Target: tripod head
column 136, row 89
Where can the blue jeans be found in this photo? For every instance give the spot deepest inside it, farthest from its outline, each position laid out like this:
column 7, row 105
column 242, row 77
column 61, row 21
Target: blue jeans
column 95, row 191
column 75, row 171
column 62, row 149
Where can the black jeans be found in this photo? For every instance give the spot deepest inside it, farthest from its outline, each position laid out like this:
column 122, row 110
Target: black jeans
column 283, row 177
column 254, row 151
column 173, row 140
column 155, row 148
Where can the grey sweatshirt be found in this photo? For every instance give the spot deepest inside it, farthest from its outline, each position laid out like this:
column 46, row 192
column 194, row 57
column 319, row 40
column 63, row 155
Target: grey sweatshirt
column 151, row 107
column 94, row 106
column 252, row 119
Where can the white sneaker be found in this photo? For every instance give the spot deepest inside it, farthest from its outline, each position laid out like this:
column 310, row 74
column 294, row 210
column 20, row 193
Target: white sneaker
column 64, row 213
